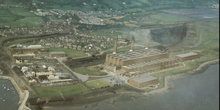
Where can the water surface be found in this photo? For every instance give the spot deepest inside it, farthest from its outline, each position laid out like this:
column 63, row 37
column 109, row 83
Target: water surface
column 9, row 97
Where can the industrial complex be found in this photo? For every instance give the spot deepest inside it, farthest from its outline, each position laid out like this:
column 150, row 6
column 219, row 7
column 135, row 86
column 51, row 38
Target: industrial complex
column 136, row 65
column 133, row 67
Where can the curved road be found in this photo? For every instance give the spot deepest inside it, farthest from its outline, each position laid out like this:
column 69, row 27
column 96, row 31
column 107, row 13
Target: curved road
column 83, row 78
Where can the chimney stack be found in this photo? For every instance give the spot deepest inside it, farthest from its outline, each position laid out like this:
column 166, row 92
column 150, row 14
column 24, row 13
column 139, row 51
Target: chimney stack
column 132, row 44
column 147, row 43
column 115, row 47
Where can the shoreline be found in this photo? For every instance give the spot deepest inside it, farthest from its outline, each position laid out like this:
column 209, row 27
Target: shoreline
column 23, row 96
column 168, row 79
column 167, row 87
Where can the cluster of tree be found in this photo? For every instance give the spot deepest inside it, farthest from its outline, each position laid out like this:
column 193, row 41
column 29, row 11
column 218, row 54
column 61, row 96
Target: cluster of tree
column 101, row 87
column 117, row 84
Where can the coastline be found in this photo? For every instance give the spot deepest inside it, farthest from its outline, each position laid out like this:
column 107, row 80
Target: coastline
column 23, row 95
column 167, row 87
column 167, row 80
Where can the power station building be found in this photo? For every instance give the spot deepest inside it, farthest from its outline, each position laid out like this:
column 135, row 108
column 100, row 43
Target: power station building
column 143, row 81
column 187, row 56
column 136, row 56
column 138, row 62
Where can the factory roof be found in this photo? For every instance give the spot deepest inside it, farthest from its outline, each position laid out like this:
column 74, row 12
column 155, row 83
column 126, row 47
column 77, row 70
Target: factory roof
column 136, row 54
column 187, row 54
column 147, row 63
column 34, row 46
column 60, row 52
column 142, row 79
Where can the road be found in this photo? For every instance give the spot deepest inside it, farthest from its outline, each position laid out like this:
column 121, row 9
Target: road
column 23, row 106
column 83, row 78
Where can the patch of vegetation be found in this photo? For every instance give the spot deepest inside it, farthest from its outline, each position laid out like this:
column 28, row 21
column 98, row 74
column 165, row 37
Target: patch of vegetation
column 18, row 17
column 91, row 70
column 168, row 18
column 21, row 12
column 65, row 90
column 69, row 52
column 98, row 84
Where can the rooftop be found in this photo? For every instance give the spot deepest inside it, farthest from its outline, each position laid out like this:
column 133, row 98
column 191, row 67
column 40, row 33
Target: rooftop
column 142, row 79
column 34, row 46
column 187, row 54
column 147, row 63
column 136, row 54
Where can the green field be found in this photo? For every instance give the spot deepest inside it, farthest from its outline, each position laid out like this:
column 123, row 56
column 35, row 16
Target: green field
column 98, row 84
column 69, row 52
column 18, row 17
column 65, row 90
column 167, row 18
column 89, row 71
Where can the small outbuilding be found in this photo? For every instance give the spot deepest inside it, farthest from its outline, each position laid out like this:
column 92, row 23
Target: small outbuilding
column 187, row 56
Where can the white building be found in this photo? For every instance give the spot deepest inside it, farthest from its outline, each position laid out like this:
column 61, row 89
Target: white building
column 34, row 47
column 52, row 77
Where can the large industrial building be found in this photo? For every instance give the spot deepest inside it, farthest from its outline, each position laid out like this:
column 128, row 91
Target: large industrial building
column 143, row 81
column 21, row 49
column 187, row 56
column 136, row 56
column 138, row 62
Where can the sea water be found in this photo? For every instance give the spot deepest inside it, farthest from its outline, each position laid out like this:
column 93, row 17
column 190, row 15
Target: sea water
column 9, row 97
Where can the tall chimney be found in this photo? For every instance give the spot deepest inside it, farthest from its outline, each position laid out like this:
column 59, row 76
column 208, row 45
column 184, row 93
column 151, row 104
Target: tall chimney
column 147, row 43
column 116, row 43
column 132, row 44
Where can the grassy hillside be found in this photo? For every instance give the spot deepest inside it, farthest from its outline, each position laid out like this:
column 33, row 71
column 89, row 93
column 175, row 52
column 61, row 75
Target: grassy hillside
column 18, row 17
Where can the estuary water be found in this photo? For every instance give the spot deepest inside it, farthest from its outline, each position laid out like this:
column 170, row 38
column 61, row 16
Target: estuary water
column 196, row 92
column 9, row 97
